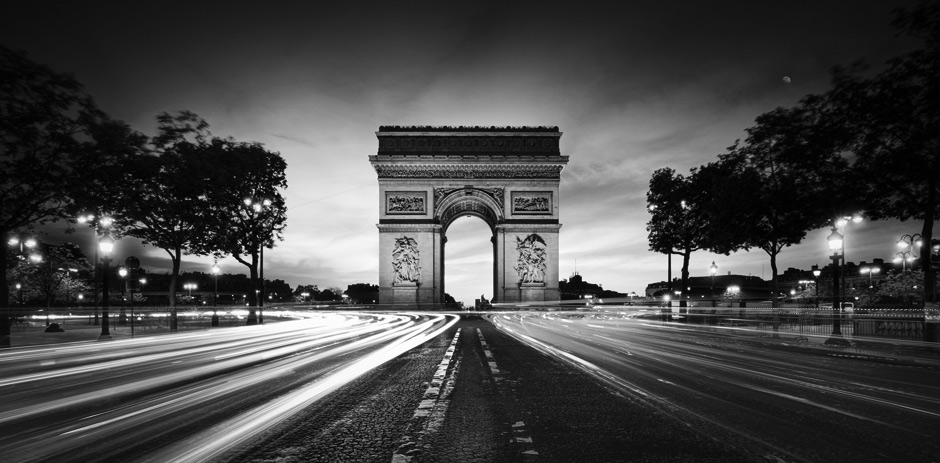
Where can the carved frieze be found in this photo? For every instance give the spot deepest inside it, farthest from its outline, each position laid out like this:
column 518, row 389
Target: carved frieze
column 405, row 202
column 469, row 171
column 531, row 264
column 532, row 202
column 406, row 261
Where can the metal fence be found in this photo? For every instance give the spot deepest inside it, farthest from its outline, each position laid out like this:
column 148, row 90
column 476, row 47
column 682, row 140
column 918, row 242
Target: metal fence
column 901, row 324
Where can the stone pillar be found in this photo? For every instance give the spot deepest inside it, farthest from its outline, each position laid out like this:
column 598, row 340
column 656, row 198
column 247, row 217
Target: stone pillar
column 418, row 284
column 514, row 249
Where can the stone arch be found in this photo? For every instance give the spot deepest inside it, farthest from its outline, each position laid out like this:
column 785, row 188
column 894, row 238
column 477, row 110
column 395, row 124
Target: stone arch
column 469, row 201
column 430, row 176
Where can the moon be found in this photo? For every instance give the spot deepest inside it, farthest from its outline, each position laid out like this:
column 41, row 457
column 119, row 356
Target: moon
column 786, row 79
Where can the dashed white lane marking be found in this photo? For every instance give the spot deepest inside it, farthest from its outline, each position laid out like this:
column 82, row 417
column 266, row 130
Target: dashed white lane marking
column 520, row 434
column 428, row 406
column 489, row 357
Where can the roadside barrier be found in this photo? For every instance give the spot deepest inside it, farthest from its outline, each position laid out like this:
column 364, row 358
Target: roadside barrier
column 886, row 323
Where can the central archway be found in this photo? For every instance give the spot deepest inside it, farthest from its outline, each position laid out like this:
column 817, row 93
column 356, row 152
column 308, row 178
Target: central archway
column 430, row 176
column 469, row 202
column 469, row 254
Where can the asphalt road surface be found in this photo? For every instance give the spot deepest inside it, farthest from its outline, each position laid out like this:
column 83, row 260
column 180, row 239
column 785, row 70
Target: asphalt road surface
column 776, row 401
column 525, row 386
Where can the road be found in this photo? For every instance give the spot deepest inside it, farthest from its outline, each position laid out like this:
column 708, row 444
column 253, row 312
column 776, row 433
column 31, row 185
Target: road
column 188, row 397
column 776, row 401
column 514, row 386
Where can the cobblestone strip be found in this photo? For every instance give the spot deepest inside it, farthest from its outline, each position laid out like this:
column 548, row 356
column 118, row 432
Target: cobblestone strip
column 431, row 409
column 520, row 434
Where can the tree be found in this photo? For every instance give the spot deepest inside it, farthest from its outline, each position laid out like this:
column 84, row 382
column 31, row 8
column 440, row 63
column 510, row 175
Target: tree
column 895, row 115
column 903, row 287
column 311, row 290
column 791, row 164
column 327, row 295
column 363, row 293
column 50, row 275
column 246, row 209
column 49, row 137
column 679, row 221
column 163, row 201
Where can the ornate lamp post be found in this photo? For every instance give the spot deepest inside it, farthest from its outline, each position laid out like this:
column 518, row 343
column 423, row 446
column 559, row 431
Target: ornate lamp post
column 215, row 299
column 26, row 244
column 258, row 206
column 836, row 244
column 713, row 269
column 105, row 245
column 123, row 317
column 904, row 257
column 869, row 271
column 907, row 241
column 142, row 281
column 816, row 273
column 733, row 291
column 103, row 222
column 842, row 222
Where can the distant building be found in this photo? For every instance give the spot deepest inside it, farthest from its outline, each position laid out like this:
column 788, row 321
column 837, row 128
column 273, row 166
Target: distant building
column 481, row 304
column 576, row 288
column 791, row 281
column 703, row 288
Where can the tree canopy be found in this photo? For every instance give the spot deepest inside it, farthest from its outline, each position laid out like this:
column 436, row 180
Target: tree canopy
column 894, row 116
column 55, row 147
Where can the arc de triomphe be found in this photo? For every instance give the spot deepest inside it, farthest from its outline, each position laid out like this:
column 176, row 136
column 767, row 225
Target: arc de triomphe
column 430, row 176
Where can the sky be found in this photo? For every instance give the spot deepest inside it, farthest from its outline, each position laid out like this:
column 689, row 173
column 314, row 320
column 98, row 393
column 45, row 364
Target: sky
column 633, row 88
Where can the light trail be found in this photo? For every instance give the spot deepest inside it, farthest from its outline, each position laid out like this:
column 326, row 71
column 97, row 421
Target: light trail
column 238, row 382
column 759, row 397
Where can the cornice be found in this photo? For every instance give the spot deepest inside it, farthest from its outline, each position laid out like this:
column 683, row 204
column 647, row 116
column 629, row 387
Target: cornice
column 479, row 171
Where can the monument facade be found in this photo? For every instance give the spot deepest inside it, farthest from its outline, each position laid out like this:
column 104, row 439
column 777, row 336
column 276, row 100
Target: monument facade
column 430, row 176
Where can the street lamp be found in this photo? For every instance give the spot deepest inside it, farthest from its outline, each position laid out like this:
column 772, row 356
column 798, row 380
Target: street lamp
column 836, row 246
column 907, row 241
column 733, row 291
column 105, row 245
column 713, row 269
column 26, row 245
column 842, row 222
column 103, row 222
column 870, row 271
column 215, row 299
column 257, row 206
column 123, row 273
column 816, row 273
column 904, row 257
